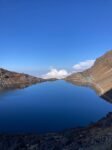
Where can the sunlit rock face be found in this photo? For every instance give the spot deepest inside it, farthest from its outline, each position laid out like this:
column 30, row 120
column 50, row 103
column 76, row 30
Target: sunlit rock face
column 99, row 76
column 10, row 79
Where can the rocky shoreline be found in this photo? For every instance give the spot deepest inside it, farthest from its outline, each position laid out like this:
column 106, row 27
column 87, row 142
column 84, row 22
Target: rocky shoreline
column 98, row 77
column 97, row 136
column 13, row 80
column 9, row 79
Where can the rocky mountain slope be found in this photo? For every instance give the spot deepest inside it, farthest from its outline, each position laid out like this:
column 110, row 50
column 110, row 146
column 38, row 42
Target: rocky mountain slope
column 99, row 76
column 97, row 136
column 10, row 79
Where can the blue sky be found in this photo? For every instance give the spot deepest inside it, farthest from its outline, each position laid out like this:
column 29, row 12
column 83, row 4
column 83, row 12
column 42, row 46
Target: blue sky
column 38, row 34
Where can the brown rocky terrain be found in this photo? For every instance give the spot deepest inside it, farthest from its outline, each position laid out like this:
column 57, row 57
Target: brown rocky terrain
column 97, row 136
column 99, row 76
column 10, row 79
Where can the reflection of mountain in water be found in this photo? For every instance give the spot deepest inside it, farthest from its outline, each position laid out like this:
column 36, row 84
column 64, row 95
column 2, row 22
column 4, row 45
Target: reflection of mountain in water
column 99, row 76
column 10, row 79
column 97, row 136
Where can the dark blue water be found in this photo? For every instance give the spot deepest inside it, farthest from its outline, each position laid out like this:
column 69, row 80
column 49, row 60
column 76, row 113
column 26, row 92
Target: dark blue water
column 50, row 106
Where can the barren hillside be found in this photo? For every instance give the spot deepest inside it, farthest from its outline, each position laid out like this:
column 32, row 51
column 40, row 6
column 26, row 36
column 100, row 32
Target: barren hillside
column 99, row 76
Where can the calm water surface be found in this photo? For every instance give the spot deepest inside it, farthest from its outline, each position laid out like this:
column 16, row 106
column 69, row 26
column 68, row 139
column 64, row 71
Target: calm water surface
column 50, row 106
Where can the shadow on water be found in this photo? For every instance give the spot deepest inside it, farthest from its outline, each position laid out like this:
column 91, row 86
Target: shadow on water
column 107, row 96
column 61, row 104
column 99, row 132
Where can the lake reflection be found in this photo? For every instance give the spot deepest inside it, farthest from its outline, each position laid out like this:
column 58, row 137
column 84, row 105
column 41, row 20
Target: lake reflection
column 49, row 106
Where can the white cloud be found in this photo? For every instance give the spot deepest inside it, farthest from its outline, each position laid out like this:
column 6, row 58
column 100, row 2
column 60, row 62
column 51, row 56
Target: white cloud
column 55, row 73
column 62, row 73
column 83, row 65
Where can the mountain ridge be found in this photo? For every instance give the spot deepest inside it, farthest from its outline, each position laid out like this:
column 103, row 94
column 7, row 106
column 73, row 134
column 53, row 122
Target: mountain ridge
column 11, row 79
column 99, row 76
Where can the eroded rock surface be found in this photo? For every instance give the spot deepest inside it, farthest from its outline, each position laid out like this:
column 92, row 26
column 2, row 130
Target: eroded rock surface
column 99, row 76
column 10, row 79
